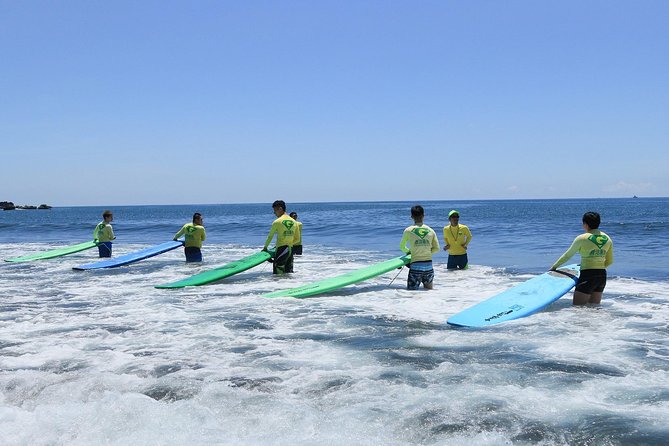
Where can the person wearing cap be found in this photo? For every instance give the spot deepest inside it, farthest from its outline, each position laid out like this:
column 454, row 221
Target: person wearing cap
column 456, row 238
column 297, row 247
column 422, row 244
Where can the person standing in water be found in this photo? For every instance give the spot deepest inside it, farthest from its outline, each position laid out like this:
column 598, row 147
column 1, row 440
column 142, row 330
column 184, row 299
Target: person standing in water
column 596, row 249
column 284, row 228
column 194, row 236
column 104, row 234
column 297, row 247
column 422, row 245
column 456, row 238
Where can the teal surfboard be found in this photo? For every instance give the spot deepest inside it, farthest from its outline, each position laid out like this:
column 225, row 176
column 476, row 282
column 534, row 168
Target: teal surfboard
column 132, row 257
column 333, row 283
column 227, row 270
column 519, row 301
column 55, row 253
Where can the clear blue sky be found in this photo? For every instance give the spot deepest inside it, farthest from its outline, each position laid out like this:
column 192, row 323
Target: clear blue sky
column 159, row 102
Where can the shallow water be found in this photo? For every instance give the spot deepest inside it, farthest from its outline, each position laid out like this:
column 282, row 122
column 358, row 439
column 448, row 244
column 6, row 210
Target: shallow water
column 102, row 357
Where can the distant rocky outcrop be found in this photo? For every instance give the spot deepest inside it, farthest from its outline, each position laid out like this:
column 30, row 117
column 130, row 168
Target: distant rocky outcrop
column 9, row 206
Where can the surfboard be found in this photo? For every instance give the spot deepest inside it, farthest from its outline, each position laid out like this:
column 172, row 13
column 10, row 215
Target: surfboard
column 333, row 283
column 55, row 252
column 519, row 301
column 227, row 270
column 132, row 257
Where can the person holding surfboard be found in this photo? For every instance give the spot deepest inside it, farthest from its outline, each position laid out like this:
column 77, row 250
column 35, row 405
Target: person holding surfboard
column 104, row 234
column 596, row 249
column 422, row 244
column 297, row 247
column 284, row 228
column 456, row 239
column 194, row 236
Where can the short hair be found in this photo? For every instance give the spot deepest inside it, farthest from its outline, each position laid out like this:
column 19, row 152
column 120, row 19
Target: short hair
column 106, row 214
column 196, row 215
column 279, row 204
column 592, row 219
column 417, row 211
column 293, row 215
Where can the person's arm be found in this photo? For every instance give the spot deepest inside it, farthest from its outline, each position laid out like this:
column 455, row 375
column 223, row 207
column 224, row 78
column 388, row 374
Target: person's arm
column 204, row 234
column 468, row 237
column 269, row 237
column 403, row 243
column 435, row 244
column 573, row 249
column 180, row 233
column 111, row 232
column 446, row 244
column 609, row 257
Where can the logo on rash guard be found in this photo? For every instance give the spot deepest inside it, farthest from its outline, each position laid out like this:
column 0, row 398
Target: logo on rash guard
column 191, row 229
column 599, row 240
column 288, row 224
column 421, row 232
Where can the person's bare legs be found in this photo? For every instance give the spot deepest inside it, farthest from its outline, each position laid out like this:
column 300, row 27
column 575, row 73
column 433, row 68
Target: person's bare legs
column 428, row 286
column 596, row 297
column 581, row 298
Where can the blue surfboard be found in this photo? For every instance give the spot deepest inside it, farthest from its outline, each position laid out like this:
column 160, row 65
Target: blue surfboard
column 519, row 301
column 132, row 257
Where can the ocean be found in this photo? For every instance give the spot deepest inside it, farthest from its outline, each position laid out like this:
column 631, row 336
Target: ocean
column 102, row 357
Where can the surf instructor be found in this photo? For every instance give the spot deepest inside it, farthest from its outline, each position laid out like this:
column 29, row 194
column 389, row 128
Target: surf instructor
column 194, row 236
column 456, row 239
column 284, row 228
column 596, row 249
column 104, row 234
column 422, row 244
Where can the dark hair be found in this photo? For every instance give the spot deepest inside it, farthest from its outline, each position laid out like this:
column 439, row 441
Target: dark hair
column 592, row 219
column 293, row 215
column 106, row 214
column 196, row 215
column 279, row 204
column 417, row 211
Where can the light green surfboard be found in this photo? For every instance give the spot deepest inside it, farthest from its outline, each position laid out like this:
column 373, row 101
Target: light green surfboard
column 55, row 253
column 333, row 283
column 227, row 270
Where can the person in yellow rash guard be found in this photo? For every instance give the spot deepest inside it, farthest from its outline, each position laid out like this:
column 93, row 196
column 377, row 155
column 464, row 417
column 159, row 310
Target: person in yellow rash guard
column 194, row 236
column 284, row 228
column 596, row 249
column 297, row 247
column 104, row 234
column 422, row 244
column 456, row 238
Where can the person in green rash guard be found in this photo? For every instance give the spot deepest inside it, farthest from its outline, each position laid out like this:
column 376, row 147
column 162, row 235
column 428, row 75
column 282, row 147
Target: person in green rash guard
column 284, row 228
column 297, row 247
column 456, row 238
column 422, row 244
column 596, row 249
column 194, row 234
column 104, row 234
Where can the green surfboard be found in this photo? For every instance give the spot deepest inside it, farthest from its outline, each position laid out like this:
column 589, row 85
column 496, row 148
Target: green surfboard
column 55, row 253
column 227, row 270
column 333, row 283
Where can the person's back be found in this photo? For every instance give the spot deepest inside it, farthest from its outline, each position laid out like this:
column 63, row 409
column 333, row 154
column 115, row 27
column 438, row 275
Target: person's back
column 284, row 228
column 194, row 234
column 423, row 243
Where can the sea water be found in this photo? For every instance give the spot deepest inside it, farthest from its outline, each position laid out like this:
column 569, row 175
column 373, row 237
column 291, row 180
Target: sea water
column 102, row 357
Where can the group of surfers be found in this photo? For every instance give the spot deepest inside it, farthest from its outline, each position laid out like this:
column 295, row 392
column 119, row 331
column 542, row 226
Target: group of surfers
column 594, row 246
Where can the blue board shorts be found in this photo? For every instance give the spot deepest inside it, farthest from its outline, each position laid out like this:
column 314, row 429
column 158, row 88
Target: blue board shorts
column 193, row 254
column 420, row 272
column 105, row 249
column 457, row 261
column 591, row 281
